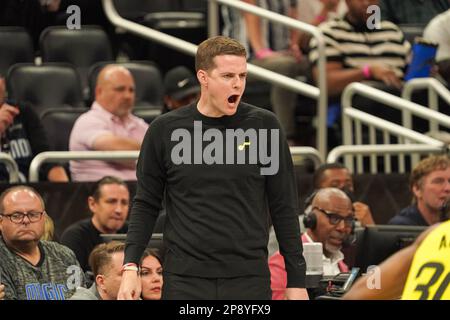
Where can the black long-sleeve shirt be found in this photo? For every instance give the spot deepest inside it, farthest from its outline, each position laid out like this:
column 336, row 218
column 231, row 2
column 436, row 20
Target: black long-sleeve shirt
column 217, row 214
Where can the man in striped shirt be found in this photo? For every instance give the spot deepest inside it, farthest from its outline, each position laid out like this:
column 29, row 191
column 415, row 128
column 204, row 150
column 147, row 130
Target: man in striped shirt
column 355, row 52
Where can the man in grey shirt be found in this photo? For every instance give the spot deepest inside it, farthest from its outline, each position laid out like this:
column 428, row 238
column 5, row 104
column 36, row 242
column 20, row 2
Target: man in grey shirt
column 32, row 269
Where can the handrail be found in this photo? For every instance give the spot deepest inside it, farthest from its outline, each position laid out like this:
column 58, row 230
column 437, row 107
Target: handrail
column 319, row 93
column 11, row 167
column 264, row 74
column 381, row 149
column 435, row 89
column 407, row 134
column 308, row 152
column 56, row 156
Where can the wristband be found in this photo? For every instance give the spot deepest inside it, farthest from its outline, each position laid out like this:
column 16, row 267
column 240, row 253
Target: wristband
column 263, row 53
column 366, row 71
column 130, row 267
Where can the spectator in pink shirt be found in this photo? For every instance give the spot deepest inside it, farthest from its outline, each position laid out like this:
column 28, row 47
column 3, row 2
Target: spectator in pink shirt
column 108, row 126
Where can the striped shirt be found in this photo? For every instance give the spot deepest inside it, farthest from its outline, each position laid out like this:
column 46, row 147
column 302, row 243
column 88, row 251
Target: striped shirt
column 355, row 47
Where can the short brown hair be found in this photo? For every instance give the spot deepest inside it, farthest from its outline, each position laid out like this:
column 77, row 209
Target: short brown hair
column 100, row 257
column 425, row 167
column 216, row 46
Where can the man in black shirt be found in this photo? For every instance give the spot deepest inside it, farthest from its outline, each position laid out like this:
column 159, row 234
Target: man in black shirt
column 221, row 166
column 430, row 185
column 23, row 137
column 109, row 203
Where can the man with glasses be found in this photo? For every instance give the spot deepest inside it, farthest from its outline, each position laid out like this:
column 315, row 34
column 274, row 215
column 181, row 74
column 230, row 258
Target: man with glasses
column 32, row 269
column 329, row 219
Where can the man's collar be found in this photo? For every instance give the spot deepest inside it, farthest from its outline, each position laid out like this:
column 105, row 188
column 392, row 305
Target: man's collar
column 98, row 107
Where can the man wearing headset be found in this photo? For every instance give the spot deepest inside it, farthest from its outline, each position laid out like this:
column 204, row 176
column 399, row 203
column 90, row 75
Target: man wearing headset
column 329, row 219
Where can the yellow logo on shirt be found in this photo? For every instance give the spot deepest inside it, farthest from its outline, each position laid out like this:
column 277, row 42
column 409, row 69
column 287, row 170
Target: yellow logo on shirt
column 429, row 275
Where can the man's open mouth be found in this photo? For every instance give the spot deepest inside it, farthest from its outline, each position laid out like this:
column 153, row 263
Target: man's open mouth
column 233, row 98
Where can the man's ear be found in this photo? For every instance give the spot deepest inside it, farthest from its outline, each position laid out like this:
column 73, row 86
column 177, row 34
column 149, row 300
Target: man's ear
column 100, row 282
column 416, row 191
column 202, row 77
column 91, row 203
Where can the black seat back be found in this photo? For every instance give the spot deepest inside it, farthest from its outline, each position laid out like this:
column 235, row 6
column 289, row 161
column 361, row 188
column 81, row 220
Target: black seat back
column 81, row 48
column 147, row 78
column 58, row 124
column 15, row 46
column 46, row 86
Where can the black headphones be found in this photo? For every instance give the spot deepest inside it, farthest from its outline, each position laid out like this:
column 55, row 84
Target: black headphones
column 310, row 218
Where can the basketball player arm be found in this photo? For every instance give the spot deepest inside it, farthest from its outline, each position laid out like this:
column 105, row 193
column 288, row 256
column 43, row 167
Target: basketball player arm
column 283, row 205
column 147, row 204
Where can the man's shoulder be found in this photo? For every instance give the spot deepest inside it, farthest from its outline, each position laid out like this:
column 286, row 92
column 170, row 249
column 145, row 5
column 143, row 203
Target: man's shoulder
column 249, row 110
column 85, row 294
column 407, row 216
column 91, row 115
column 388, row 25
column 54, row 249
column 337, row 24
column 175, row 115
column 82, row 226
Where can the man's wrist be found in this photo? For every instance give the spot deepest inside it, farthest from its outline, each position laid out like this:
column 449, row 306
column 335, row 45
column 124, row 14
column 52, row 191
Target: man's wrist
column 130, row 267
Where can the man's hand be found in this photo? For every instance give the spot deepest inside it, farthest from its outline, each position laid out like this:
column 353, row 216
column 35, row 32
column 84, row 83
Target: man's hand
column 385, row 74
column 296, row 294
column 363, row 214
column 130, row 286
column 7, row 115
column 2, row 292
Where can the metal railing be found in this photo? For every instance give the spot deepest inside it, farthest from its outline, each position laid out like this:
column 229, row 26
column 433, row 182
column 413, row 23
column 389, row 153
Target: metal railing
column 382, row 150
column 11, row 167
column 64, row 156
column 318, row 93
column 351, row 116
column 435, row 90
column 308, row 153
column 58, row 156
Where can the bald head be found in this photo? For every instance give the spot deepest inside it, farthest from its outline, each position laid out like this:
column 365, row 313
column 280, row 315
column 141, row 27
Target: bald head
column 115, row 90
column 12, row 195
column 326, row 195
column 332, row 209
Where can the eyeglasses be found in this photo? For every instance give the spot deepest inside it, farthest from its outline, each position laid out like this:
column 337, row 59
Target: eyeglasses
column 17, row 217
column 335, row 218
